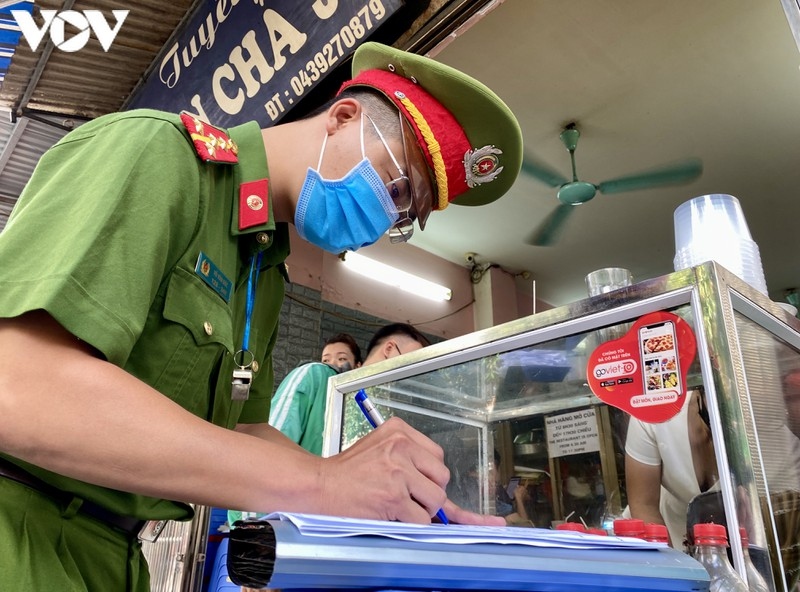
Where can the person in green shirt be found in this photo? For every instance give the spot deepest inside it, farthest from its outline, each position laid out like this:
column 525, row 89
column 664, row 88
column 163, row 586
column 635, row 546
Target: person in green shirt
column 142, row 281
column 298, row 406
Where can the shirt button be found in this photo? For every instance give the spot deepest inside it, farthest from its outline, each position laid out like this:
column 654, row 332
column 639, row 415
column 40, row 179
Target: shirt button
column 262, row 238
column 209, row 329
column 255, row 366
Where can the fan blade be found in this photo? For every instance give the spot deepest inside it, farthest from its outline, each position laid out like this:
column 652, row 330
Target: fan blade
column 547, row 232
column 542, row 172
column 673, row 174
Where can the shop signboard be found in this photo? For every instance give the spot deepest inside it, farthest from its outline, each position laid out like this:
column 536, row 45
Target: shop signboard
column 241, row 60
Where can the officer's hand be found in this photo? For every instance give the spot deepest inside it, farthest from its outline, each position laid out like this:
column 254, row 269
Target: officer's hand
column 458, row 515
column 394, row 473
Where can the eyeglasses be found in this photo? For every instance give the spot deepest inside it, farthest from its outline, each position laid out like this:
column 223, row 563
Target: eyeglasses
column 399, row 188
column 409, row 189
column 402, row 230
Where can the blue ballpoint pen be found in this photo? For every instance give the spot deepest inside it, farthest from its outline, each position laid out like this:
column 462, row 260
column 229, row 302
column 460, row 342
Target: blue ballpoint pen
column 375, row 419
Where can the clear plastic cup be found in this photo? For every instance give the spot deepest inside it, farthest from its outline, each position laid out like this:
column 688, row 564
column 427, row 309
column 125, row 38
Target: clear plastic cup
column 706, row 219
column 608, row 279
column 713, row 228
column 742, row 260
column 741, row 257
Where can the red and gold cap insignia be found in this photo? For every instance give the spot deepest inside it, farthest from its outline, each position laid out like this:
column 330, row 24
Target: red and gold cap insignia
column 481, row 165
column 211, row 143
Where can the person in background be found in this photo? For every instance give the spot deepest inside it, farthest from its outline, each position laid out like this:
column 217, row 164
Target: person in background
column 668, row 464
column 341, row 352
column 510, row 505
column 785, row 502
column 143, row 276
column 791, row 395
column 393, row 340
column 298, row 406
column 467, row 485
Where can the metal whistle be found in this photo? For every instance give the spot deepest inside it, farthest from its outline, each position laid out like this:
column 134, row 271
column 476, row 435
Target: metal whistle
column 240, row 385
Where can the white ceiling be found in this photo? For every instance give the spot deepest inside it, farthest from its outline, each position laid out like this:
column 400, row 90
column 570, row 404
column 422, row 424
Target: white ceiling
column 649, row 83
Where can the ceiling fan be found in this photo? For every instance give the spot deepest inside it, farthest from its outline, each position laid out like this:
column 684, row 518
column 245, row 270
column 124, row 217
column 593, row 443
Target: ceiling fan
column 575, row 192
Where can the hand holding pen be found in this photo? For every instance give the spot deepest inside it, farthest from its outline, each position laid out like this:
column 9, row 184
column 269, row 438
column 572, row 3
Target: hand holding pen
column 375, row 419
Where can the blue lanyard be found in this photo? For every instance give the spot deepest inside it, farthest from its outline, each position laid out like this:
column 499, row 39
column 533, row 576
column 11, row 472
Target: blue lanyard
column 252, row 284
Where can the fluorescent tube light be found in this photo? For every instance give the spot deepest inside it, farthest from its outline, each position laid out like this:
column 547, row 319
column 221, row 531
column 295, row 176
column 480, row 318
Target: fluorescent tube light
column 395, row 277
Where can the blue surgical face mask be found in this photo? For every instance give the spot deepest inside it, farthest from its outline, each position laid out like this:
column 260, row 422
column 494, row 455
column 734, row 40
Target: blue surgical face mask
column 347, row 213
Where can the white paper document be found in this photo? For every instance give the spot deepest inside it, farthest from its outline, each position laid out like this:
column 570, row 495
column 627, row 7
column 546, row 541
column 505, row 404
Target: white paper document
column 457, row 534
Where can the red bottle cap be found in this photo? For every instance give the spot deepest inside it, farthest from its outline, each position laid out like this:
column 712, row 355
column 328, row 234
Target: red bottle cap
column 573, row 526
column 656, row 533
column 597, row 531
column 743, row 536
column 710, row 534
column 632, row 527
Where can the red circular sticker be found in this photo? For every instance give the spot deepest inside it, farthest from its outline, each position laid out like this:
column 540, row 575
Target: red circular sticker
column 644, row 372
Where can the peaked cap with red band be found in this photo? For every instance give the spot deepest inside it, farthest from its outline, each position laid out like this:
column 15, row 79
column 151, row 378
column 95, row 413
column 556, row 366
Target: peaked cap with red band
column 470, row 139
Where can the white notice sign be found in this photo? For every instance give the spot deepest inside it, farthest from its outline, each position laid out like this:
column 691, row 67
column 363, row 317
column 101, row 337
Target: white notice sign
column 572, row 433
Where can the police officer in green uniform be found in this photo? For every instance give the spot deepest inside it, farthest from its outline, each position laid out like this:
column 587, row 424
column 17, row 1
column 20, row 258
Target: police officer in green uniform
column 139, row 299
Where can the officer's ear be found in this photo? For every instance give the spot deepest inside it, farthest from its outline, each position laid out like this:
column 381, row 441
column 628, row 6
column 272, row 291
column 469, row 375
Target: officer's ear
column 342, row 113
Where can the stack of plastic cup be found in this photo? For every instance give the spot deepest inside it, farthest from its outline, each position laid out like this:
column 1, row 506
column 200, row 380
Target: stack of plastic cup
column 713, row 228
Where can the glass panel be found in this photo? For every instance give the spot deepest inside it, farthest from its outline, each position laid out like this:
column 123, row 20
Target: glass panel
column 525, row 437
column 462, row 440
column 772, row 375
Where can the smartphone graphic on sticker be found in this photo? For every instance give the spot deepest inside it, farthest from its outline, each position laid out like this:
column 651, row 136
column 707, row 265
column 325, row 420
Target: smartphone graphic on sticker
column 660, row 361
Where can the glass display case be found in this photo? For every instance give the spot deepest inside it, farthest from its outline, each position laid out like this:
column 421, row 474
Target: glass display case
column 525, row 435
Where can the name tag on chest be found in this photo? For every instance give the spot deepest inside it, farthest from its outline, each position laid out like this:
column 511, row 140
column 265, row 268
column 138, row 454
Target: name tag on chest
column 213, row 276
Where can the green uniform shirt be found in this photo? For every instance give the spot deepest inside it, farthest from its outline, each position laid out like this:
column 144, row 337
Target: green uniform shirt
column 106, row 237
column 298, row 410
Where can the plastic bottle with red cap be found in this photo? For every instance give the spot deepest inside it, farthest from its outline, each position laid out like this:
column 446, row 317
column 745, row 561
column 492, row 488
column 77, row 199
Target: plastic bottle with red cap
column 656, row 533
column 597, row 531
column 755, row 580
column 630, row 527
column 571, row 526
column 710, row 543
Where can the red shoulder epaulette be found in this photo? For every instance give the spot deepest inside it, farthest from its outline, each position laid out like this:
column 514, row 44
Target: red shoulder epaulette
column 211, row 143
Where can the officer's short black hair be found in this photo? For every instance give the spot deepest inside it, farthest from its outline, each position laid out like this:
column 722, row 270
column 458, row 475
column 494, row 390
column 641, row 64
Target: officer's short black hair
column 380, row 109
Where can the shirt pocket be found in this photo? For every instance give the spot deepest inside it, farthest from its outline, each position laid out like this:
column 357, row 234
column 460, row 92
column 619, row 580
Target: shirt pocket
column 202, row 333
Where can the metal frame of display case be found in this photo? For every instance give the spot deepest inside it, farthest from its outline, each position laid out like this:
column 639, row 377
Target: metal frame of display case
column 716, row 298
column 177, row 558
